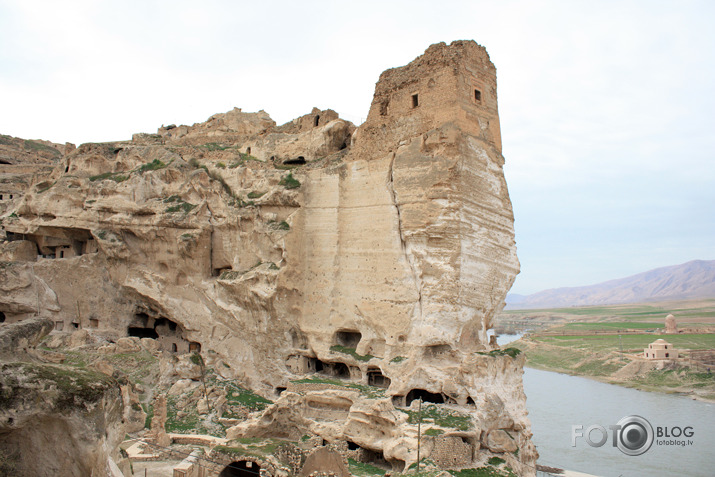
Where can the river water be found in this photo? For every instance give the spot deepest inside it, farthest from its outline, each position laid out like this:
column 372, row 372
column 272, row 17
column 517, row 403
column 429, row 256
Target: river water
column 556, row 402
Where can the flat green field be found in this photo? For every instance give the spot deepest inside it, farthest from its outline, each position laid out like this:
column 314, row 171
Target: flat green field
column 631, row 343
column 693, row 314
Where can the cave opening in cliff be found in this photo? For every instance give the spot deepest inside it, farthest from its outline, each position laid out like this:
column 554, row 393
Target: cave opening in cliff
column 339, row 370
column 477, row 96
column 317, row 121
column 241, row 468
column 415, row 100
column 376, row 378
column 426, row 396
column 348, row 338
column 300, row 160
column 217, row 272
column 2, row 317
column 194, row 347
column 376, row 458
column 470, row 402
column 398, row 465
column 142, row 332
column 165, row 322
column 352, row 445
column 314, row 365
column 279, row 390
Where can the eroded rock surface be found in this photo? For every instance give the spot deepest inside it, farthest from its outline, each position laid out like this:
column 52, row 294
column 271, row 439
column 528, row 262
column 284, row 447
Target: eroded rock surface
column 374, row 256
column 54, row 419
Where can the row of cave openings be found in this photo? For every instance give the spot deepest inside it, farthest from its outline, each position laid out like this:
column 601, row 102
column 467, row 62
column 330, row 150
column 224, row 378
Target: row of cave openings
column 169, row 334
column 375, row 377
column 59, row 242
column 5, row 196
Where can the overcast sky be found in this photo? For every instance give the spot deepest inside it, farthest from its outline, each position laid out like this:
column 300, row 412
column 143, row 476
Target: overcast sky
column 607, row 107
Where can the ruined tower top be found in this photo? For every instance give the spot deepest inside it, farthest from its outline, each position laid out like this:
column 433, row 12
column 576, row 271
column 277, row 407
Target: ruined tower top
column 453, row 83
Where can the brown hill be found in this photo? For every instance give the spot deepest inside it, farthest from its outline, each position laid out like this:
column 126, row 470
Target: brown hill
column 694, row 279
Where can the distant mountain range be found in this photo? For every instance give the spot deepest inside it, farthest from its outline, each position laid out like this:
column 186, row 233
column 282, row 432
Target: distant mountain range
column 695, row 279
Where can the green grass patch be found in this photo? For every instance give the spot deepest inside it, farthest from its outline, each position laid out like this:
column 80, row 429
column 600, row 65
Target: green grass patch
column 149, row 410
column 283, row 225
column 236, row 201
column 441, row 417
column 215, row 146
column 255, row 195
column 154, row 165
column 629, row 341
column 289, row 182
column 612, row 325
column 235, row 394
column 39, row 147
column 350, row 351
column 511, row 352
column 183, row 207
column 398, row 359
column 363, row 468
column 113, row 176
column 434, row 432
column 74, row 385
column 364, row 389
column 179, row 205
column 481, row 472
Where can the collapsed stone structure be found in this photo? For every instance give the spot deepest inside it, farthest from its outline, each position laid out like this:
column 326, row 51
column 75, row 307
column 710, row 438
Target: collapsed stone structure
column 376, row 256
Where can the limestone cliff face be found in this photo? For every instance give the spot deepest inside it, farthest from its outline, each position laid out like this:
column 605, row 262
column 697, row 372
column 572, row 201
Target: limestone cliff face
column 376, row 255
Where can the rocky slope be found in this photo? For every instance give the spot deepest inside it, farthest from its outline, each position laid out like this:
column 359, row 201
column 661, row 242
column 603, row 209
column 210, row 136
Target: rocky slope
column 694, row 279
column 376, row 256
column 54, row 419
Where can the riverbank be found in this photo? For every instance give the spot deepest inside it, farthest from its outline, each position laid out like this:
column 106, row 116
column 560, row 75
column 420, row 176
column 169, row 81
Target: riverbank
column 617, row 360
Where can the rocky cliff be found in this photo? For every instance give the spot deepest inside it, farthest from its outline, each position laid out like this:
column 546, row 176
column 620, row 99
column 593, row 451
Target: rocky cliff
column 374, row 256
column 54, row 419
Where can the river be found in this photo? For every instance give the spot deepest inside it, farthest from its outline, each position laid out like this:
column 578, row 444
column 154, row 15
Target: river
column 556, row 402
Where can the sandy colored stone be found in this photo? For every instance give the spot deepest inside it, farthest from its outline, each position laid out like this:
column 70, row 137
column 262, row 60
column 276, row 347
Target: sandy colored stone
column 498, row 440
column 394, row 240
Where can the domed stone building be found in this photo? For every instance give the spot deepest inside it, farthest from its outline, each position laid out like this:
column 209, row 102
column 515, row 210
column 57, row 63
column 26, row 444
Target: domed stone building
column 660, row 349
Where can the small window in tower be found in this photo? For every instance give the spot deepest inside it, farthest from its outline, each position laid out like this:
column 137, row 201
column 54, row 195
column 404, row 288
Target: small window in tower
column 415, row 100
column 477, row 96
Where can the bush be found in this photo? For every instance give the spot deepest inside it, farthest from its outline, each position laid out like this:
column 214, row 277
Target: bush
column 152, row 166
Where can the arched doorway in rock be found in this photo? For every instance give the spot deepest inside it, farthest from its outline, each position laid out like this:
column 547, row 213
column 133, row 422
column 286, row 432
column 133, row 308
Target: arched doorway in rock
column 241, row 468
